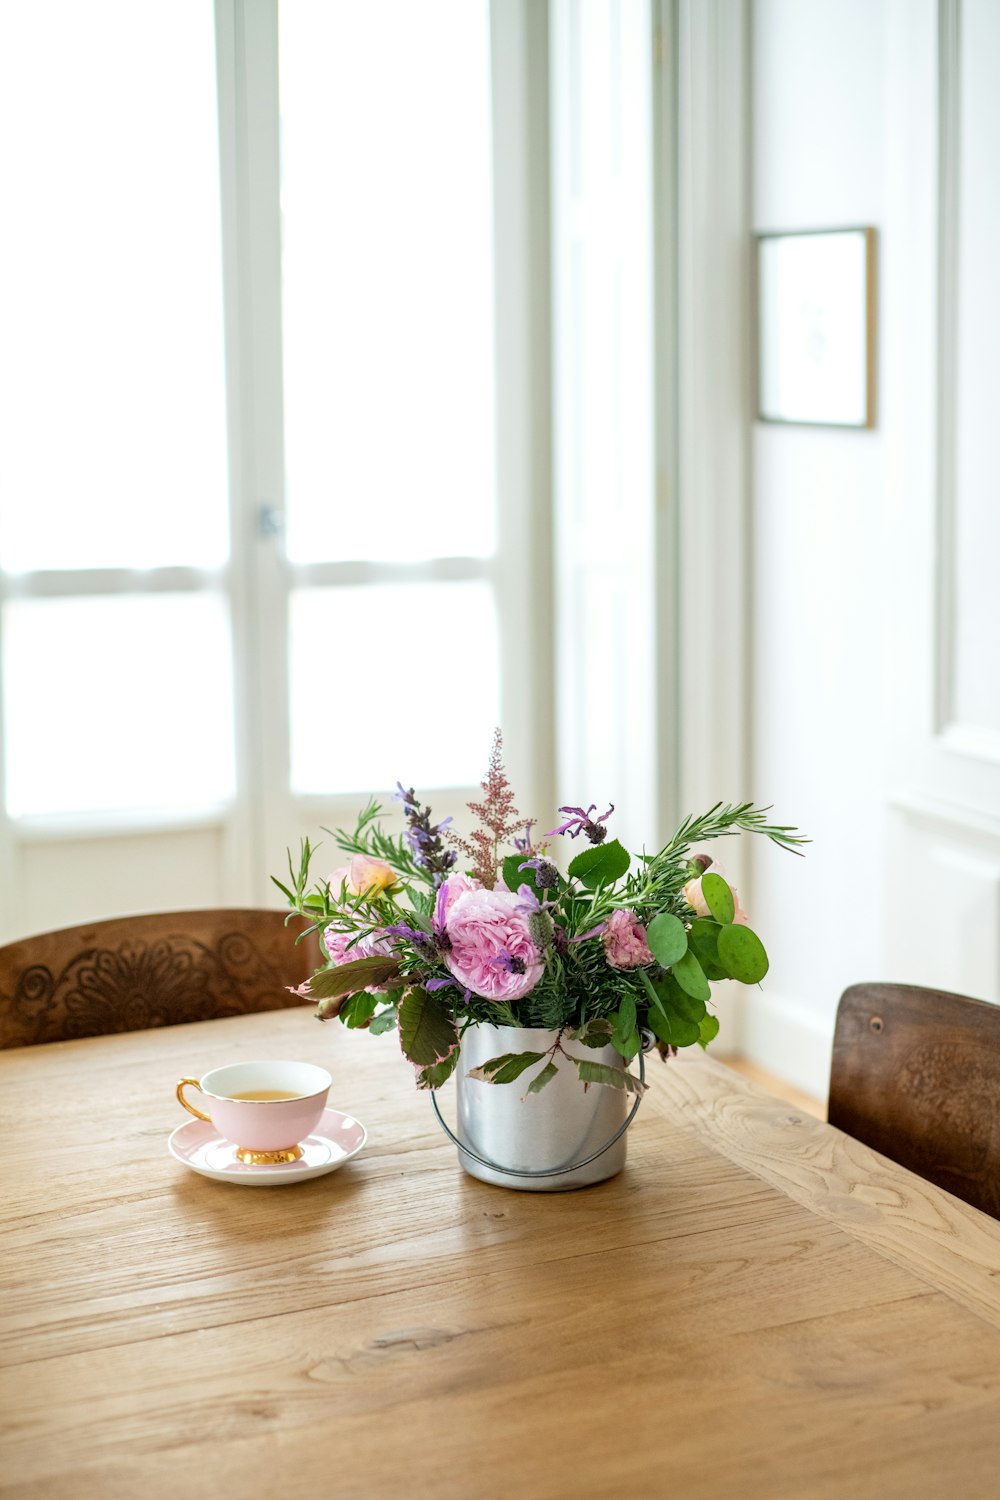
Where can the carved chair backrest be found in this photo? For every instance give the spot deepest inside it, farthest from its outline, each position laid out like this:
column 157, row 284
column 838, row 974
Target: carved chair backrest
column 157, row 970
column 916, row 1075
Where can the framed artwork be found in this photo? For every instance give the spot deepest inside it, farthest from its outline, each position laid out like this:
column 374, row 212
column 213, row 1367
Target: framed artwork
column 815, row 317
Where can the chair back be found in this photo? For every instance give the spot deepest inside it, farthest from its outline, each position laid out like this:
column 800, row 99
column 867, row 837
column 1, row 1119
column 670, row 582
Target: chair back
column 156, row 970
column 916, row 1075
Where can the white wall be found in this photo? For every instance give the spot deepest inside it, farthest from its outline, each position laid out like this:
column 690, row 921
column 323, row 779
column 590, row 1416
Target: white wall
column 876, row 694
column 819, row 100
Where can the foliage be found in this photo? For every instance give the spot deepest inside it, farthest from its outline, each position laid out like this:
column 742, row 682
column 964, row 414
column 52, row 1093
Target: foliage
column 618, row 951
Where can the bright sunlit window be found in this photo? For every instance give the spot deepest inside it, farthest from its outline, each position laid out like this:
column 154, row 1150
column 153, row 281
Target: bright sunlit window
column 113, row 408
column 387, row 282
column 111, row 361
column 117, row 702
column 425, row 712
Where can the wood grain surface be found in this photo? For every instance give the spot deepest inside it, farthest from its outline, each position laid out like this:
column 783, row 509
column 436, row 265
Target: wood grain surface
column 756, row 1306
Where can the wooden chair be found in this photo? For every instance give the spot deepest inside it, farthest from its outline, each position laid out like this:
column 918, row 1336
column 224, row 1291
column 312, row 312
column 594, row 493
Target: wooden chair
column 916, row 1075
column 156, row 970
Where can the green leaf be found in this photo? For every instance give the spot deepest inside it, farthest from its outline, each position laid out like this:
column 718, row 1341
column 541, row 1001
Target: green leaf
column 718, row 897
column 284, row 890
column 626, row 1044
column 357, row 1009
column 674, row 1030
column 708, row 1029
column 545, row 1076
column 615, row 1078
column 513, row 877
column 704, row 939
column 677, row 1002
column 386, row 1021
column 427, row 1033
column 601, row 865
column 742, row 953
column 625, row 1020
column 438, row 1073
column 328, row 984
column 666, row 939
column 506, row 1068
column 595, row 1033
column 690, row 975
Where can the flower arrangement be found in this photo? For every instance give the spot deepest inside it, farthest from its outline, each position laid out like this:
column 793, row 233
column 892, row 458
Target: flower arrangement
column 429, row 932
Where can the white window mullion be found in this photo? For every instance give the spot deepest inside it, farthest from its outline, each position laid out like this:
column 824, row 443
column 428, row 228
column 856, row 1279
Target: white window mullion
column 249, row 133
column 522, row 299
column 603, row 426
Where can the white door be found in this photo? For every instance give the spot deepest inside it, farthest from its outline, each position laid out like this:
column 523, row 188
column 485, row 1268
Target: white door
column 943, row 666
column 250, row 559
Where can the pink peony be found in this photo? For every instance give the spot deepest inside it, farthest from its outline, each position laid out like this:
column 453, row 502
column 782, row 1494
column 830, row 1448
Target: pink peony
column 624, row 941
column 491, row 950
column 364, row 875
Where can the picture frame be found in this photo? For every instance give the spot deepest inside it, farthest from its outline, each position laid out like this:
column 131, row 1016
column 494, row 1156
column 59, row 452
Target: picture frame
column 815, row 321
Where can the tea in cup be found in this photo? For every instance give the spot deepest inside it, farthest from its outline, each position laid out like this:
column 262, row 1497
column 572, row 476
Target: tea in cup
column 265, row 1108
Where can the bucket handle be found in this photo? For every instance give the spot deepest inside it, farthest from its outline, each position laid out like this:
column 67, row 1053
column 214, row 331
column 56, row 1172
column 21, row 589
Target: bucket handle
column 548, row 1171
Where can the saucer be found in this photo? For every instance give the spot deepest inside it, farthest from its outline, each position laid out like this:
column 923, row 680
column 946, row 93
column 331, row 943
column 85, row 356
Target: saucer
column 336, row 1139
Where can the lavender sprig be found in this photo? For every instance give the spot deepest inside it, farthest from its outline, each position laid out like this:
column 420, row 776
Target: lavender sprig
column 424, row 838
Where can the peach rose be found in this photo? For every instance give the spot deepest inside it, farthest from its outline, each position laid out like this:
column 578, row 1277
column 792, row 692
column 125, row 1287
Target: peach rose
column 363, row 876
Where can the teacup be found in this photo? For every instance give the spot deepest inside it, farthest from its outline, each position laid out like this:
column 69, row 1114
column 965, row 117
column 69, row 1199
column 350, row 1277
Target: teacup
column 264, row 1108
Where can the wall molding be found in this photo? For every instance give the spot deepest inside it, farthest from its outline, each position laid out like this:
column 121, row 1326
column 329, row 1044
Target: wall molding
column 947, row 815
column 948, row 130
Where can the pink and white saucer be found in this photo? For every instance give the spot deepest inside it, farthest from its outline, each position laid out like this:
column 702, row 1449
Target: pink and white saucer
column 335, row 1140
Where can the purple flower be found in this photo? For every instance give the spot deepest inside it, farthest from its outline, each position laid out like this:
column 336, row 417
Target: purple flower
column 546, row 874
column 403, row 930
column 580, row 821
column 443, row 984
column 424, row 838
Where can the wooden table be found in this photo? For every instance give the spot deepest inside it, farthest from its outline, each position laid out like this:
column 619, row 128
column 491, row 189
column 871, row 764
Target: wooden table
column 756, row 1307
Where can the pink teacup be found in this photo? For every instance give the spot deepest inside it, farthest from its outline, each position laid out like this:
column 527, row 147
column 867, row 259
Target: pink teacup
column 264, row 1108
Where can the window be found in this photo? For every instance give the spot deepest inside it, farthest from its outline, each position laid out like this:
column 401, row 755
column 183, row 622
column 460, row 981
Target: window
column 114, row 505
column 250, row 564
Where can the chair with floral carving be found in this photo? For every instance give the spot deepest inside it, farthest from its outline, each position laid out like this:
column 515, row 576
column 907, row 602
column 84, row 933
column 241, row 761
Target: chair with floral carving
column 157, row 970
column 916, row 1075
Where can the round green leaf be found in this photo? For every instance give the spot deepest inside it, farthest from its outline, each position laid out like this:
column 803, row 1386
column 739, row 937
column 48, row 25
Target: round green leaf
column 709, row 1030
column 674, row 1030
column 718, row 897
column 690, row 975
column 743, row 954
column 666, row 939
column 703, row 937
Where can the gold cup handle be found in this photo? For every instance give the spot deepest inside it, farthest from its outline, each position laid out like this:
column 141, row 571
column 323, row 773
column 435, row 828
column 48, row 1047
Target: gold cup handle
column 193, row 1083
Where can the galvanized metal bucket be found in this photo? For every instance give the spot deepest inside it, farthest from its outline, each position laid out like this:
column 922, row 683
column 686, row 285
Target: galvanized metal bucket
column 563, row 1137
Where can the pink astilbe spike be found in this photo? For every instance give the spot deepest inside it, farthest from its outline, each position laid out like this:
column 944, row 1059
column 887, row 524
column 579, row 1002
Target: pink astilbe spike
column 500, row 818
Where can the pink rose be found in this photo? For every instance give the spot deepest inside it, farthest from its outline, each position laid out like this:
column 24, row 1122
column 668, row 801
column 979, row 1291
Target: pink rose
column 491, row 950
column 368, row 945
column 363, row 876
column 450, row 890
column 624, row 940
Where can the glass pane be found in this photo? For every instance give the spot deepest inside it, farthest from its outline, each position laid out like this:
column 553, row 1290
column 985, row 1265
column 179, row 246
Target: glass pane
column 112, row 398
column 387, row 278
column 380, row 712
column 114, row 703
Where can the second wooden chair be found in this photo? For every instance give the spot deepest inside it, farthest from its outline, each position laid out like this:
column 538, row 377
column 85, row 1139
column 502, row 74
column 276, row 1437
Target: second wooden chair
column 916, row 1075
